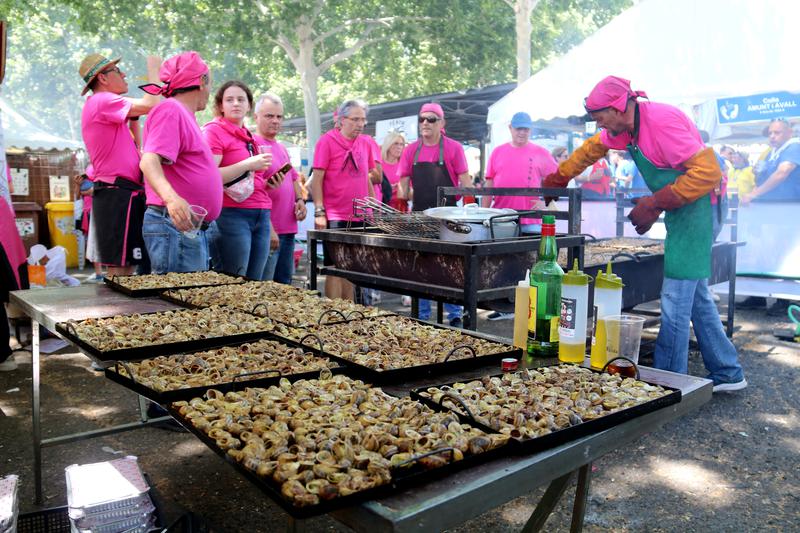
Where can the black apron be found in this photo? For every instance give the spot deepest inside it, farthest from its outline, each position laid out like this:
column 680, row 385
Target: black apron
column 427, row 177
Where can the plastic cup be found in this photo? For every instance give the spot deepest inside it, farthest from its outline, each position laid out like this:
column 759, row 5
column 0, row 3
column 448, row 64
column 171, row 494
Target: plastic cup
column 264, row 149
column 623, row 338
column 198, row 214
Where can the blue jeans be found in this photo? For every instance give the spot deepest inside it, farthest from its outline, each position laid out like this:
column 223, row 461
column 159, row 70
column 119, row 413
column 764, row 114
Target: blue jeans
column 280, row 265
column 169, row 249
column 453, row 311
column 689, row 299
column 240, row 243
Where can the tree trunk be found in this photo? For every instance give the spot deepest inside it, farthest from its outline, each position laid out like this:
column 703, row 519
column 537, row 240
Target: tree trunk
column 522, row 12
column 309, row 79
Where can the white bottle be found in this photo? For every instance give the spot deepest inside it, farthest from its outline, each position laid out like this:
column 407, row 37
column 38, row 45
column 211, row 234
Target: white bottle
column 574, row 312
column 607, row 301
column 522, row 309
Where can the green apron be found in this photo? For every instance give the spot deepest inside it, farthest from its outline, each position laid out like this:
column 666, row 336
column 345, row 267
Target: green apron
column 687, row 250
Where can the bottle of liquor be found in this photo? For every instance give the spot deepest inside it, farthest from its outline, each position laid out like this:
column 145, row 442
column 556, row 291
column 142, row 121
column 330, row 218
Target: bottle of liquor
column 545, row 295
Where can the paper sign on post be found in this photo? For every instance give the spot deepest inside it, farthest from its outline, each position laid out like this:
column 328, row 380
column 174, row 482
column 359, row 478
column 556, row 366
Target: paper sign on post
column 19, row 177
column 59, row 189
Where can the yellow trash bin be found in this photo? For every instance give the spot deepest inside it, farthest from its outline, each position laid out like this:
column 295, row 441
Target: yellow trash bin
column 61, row 222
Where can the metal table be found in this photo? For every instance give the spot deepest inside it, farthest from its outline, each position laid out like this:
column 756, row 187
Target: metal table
column 457, row 498
column 47, row 307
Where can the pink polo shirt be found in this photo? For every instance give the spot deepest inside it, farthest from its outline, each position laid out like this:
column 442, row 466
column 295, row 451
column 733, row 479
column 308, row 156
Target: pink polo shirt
column 230, row 141
column 667, row 137
column 171, row 131
column 346, row 163
column 283, row 201
column 524, row 166
column 454, row 159
column 108, row 139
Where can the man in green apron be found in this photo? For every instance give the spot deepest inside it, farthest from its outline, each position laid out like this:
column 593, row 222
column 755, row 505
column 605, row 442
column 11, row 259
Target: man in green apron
column 682, row 173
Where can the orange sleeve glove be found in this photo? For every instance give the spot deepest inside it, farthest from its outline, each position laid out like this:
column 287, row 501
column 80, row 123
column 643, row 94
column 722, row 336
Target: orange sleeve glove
column 591, row 151
column 702, row 176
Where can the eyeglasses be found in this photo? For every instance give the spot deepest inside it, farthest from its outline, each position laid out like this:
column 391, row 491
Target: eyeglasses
column 779, row 119
column 112, row 69
column 429, row 120
column 358, row 120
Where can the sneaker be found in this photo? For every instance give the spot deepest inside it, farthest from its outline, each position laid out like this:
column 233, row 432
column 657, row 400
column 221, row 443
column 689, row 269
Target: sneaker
column 8, row 365
column 456, row 323
column 729, row 387
column 500, row 316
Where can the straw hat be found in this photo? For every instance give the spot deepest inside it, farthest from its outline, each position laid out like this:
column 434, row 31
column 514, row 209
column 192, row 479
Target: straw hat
column 91, row 66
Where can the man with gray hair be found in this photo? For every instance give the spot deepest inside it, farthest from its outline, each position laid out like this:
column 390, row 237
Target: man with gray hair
column 287, row 200
column 342, row 161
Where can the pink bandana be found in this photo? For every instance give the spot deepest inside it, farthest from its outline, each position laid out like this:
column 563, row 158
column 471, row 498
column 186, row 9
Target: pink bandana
column 178, row 72
column 431, row 107
column 611, row 92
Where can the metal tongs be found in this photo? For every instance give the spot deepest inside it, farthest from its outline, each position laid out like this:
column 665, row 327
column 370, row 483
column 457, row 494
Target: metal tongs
column 361, row 205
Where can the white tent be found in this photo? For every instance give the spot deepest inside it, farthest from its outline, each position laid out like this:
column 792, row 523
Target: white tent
column 683, row 52
column 21, row 132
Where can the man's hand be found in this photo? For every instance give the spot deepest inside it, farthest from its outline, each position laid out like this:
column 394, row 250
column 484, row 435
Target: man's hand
column 273, row 241
column 320, row 222
column 179, row 213
column 556, row 180
column 274, row 181
column 745, row 199
column 259, row 161
column 647, row 209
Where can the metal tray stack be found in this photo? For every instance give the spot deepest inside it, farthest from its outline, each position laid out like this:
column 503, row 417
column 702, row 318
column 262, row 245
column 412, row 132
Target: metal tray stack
column 153, row 284
column 111, row 496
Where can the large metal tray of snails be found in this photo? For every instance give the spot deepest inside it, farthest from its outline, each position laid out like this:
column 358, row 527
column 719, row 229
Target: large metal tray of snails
column 316, row 445
column 548, row 406
column 153, row 284
column 282, row 303
column 396, row 347
column 177, row 377
column 141, row 336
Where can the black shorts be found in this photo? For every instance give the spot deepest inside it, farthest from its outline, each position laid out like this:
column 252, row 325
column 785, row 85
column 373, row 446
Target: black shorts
column 337, row 224
column 118, row 211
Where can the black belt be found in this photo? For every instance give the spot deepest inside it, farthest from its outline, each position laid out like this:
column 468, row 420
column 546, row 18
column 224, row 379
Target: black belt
column 161, row 210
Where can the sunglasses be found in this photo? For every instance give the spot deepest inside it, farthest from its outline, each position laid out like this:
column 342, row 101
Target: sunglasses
column 429, row 120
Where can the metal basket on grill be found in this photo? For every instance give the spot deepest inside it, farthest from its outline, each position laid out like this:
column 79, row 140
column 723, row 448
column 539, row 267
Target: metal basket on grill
column 394, row 222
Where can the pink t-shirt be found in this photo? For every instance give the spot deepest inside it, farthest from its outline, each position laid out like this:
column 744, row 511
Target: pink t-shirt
column 667, row 137
column 171, row 131
column 230, row 141
column 346, row 163
column 104, row 126
column 524, row 166
column 283, row 199
column 454, row 159
column 390, row 169
column 376, row 155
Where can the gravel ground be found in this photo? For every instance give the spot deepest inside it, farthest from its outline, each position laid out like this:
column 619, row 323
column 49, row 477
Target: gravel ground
column 730, row 466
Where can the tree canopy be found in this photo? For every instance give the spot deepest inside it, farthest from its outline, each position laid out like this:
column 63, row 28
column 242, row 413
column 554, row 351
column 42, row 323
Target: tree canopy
column 379, row 51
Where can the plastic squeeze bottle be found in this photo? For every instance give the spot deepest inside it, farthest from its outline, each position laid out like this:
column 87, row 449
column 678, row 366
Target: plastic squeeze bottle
column 574, row 310
column 545, row 295
column 607, row 301
column 521, row 310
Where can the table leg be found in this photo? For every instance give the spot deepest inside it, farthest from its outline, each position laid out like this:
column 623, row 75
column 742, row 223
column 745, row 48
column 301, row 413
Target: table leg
column 546, row 505
column 312, row 264
column 35, row 421
column 439, row 312
column 414, row 307
column 581, row 494
column 143, row 409
column 295, row 525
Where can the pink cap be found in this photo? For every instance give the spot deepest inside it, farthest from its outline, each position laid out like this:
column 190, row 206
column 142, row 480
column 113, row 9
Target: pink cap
column 431, row 107
column 178, row 72
column 611, row 92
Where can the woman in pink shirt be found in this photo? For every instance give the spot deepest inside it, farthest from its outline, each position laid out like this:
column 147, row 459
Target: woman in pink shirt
column 239, row 244
column 392, row 149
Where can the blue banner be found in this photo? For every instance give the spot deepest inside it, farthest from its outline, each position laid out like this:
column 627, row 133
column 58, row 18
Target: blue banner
column 758, row 107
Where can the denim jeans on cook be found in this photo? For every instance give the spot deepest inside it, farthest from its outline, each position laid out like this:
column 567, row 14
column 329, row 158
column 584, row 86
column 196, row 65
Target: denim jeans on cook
column 280, row 265
column 689, row 299
column 169, row 249
column 453, row 311
column 240, row 243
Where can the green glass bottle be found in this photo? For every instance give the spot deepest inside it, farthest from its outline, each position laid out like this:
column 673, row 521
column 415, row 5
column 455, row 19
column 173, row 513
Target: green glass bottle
column 545, row 296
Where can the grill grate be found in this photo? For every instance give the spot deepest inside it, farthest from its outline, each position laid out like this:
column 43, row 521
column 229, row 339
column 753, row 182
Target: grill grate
column 394, row 222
